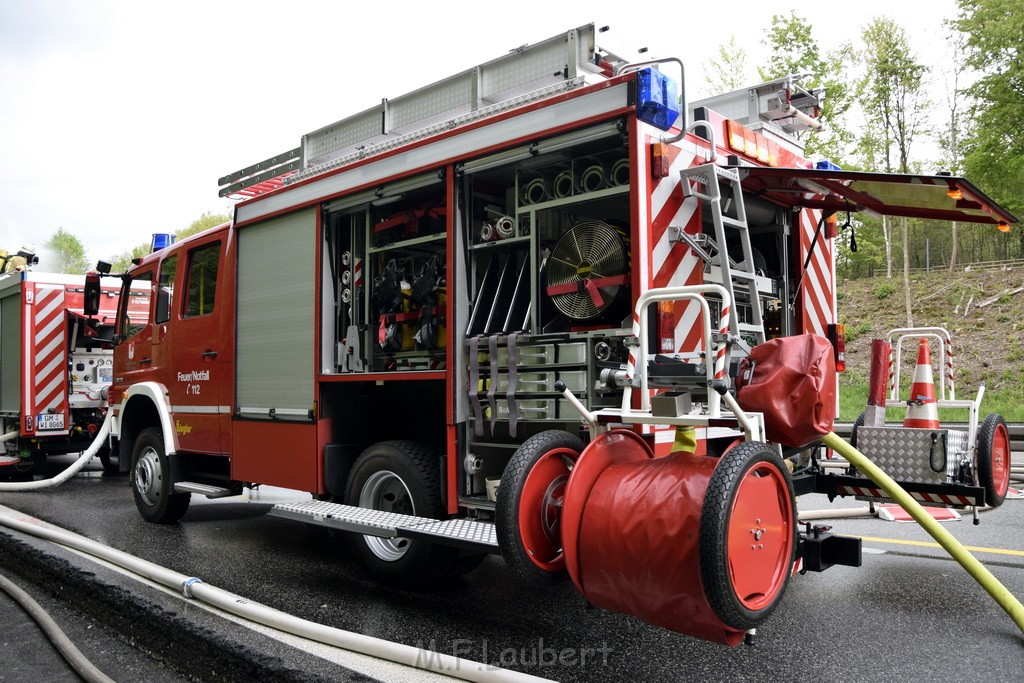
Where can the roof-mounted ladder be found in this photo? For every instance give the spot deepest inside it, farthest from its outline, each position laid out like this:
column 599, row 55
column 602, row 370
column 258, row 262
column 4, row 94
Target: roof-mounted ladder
column 526, row 74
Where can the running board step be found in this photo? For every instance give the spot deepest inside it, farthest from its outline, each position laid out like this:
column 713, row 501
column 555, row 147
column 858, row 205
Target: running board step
column 202, row 489
column 457, row 532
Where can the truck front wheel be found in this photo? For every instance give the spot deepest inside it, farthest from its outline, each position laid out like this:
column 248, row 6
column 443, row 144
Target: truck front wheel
column 400, row 477
column 151, row 481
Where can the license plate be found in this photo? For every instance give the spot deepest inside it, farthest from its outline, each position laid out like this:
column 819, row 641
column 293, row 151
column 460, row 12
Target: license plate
column 48, row 422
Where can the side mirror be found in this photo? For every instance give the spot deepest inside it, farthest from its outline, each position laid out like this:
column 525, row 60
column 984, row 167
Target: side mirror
column 91, row 305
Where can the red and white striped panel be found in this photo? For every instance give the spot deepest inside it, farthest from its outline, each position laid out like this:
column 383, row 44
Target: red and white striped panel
column 935, row 498
column 672, row 262
column 45, row 344
column 818, row 296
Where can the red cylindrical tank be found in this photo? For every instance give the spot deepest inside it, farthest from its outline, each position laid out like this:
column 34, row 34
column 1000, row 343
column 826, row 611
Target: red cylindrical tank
column 634, row 540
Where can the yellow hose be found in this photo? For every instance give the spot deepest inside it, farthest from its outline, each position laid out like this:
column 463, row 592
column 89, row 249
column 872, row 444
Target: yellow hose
column 976, row 569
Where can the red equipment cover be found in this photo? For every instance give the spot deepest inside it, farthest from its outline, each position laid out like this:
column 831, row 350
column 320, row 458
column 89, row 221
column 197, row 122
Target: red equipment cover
column 651, row 507
column 792, row 380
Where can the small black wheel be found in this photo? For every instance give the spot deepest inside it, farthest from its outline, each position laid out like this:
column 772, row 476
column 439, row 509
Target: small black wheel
column 747, row 536
column 151, row 481
column 401, row 477
column 993, row 459
column 528, row 509
column 27, row 468
column 110, row 464
column 857, row 424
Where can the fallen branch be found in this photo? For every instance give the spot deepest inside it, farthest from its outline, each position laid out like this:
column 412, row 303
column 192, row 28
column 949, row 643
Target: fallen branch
column 937, row 292
column 1000, row 295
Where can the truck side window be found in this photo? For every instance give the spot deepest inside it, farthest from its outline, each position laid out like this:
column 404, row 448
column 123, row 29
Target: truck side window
column 165, row 289
column 137, row 309
column 202, row 279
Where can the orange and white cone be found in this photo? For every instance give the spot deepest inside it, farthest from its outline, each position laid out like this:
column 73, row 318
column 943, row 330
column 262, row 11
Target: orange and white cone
column 922, row 410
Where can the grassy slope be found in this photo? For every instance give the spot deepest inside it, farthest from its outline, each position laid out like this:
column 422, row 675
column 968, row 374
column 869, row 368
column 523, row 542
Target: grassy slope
column 988, row 342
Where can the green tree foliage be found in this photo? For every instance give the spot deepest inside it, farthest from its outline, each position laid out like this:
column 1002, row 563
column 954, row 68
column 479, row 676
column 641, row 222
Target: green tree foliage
column 794, row 50
column 208, row 220
column 895, row 102
column 729, row 71
column 893, row 93
column 122, row 261
column 204, row 222
column 994, row 46
column 68, row 253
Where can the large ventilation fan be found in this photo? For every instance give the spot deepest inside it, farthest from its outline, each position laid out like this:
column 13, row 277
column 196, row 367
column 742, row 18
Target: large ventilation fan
column 586, row 269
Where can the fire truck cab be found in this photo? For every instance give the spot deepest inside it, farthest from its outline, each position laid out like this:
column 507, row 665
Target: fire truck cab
column 395, row 318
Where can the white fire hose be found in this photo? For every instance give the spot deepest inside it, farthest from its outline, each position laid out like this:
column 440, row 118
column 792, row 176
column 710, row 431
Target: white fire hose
column 193, row 587
column 71, row 471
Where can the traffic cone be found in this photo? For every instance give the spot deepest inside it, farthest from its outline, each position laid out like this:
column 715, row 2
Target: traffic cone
column 922, row 411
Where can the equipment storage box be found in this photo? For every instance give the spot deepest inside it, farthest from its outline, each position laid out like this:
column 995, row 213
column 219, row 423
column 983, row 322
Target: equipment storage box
column 925, row 456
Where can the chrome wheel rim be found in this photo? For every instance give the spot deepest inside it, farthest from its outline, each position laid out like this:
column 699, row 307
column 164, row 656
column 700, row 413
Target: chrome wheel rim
column 385, row 491
column 148, row 476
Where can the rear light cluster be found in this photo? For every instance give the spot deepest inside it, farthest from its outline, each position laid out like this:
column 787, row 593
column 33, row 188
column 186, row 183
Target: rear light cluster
column 837, row 335
column 754, row 145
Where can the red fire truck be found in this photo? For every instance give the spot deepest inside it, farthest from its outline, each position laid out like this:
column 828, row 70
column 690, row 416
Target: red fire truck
column 411, row 311
column 55, row 365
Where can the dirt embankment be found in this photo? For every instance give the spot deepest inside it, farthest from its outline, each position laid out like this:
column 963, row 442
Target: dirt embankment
column 983, row 311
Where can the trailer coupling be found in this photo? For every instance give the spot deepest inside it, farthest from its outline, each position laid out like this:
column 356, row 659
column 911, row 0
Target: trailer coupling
column 820, row 550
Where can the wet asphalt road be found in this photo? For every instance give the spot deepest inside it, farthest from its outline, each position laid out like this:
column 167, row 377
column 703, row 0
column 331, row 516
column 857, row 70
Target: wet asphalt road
column 908, row 613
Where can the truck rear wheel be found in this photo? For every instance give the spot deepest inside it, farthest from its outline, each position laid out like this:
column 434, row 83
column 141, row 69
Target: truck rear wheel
column 401, row 477
column 151, row 481
column 993, row 464
column 528, row 510
column 747, row 535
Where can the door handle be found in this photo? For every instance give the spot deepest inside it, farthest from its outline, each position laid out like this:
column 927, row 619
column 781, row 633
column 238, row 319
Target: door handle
column 145, row 361
column 209, row 354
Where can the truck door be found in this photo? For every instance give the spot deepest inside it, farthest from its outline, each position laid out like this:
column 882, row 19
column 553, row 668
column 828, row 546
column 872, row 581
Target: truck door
column 134, row 354
column 196, row 369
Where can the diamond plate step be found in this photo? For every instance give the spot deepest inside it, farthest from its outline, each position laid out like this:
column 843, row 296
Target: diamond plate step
column 459, row 532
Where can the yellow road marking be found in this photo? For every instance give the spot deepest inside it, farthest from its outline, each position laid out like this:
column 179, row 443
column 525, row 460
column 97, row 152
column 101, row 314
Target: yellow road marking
column 926, row 544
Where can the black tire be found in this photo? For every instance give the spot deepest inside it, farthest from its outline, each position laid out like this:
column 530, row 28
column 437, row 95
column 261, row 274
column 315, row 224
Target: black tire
column 151, row 481
column 402, row 477
column 721, row 573
column 993, row 459
column 857, row 424
column 516, row 547
column 109, row 463
column 27, row 468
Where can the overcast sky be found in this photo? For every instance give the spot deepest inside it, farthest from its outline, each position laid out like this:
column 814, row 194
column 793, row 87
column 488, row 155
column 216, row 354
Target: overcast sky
column 118, row 117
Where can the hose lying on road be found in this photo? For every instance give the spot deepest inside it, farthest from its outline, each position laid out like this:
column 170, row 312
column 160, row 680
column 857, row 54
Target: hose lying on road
column 74, row 657
column 71, row 471
column 814, row 515
column 976, row 569
column 193, row 587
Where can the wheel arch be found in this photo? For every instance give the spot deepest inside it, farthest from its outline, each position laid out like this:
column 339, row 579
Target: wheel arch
column 144, row 405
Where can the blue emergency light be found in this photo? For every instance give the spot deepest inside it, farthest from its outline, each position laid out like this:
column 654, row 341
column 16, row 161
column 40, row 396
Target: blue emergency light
column 826, row 165
column 160, row 241
column 657, row 98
